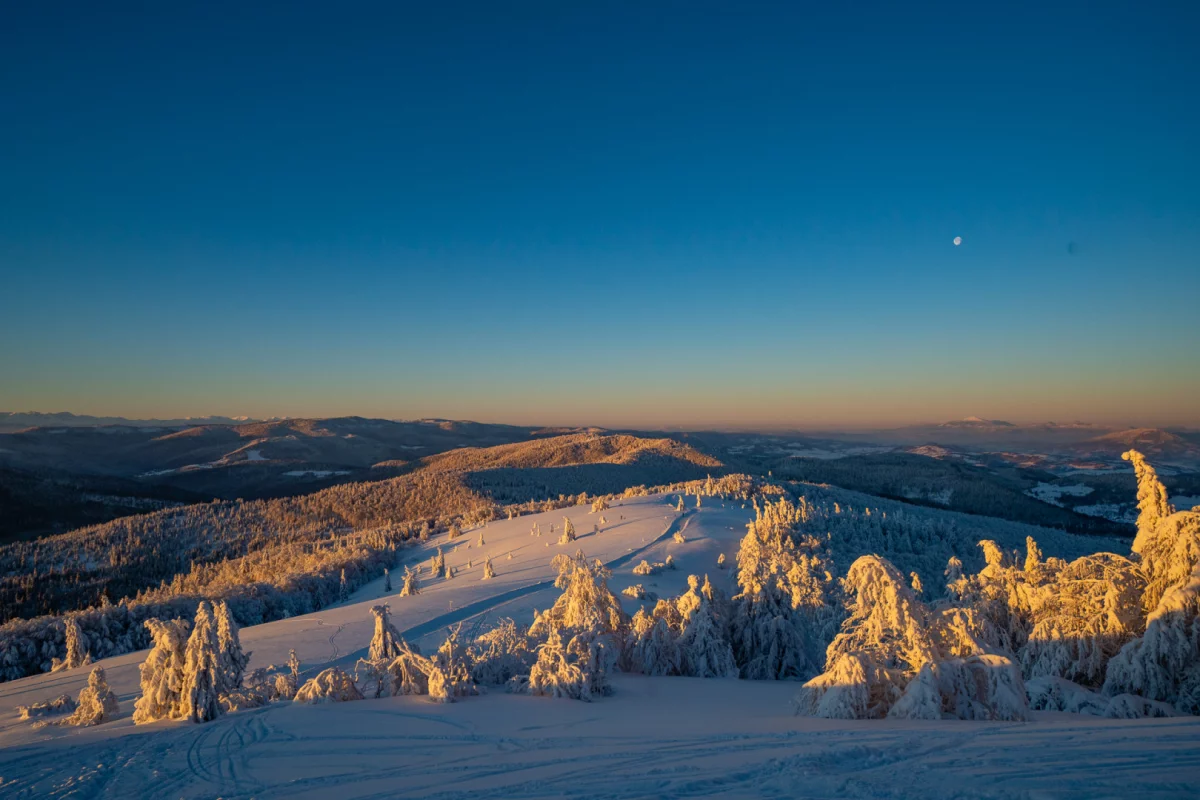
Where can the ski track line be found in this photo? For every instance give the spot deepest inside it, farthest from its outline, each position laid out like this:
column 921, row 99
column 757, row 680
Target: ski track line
column 334, row 650
column 482, row 606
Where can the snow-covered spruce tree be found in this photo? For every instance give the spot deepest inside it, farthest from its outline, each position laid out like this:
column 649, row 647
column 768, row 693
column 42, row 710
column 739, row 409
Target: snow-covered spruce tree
column 385, row 642
column 568, row 532
column 780, row 619
column 162, row 672
column 343, row 588
column 202, row 673
column 437, row 564
column 655, row 645
column 1002, row 594
column 895, row 657
column 704, row 650
column 1164, row 664
column 233, row 659
column 387, row 580
column 1083, row 613
column 450, row 675
column 577, row 670
column 97, row 704
column 77, row 654
column 1151, row 499
column 333, row 685
column 1167, row 541
column 287, row 683
column 553, row 674
column 586, row 602
column 489, row 572
column 412, row 584
column 480, row 542
column 500, row 655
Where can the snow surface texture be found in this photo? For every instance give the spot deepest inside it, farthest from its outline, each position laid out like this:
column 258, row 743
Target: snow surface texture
column 662, row 736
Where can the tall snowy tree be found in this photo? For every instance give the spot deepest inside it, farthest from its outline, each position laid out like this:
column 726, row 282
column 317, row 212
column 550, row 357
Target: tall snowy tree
column 488, row 571
column 586, row 602
column 385, row 642
column 705, row 651
column 232, row 658
column 202, row 673
column 450, row 676
column 162, row 672
column 77, row 654
column 1167, row 541
column 781, row 620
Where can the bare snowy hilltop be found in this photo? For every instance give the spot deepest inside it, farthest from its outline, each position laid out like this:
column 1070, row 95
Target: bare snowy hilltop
column 532, row 619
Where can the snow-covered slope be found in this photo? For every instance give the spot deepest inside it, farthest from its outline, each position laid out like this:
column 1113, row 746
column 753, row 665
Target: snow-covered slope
column 655, row 737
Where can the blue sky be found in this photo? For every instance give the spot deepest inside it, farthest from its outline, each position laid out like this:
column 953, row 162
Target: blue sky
column 618, row 214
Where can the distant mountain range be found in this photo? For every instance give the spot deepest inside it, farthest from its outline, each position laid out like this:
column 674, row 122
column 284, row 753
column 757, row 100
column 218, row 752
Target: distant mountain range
column 17, row 420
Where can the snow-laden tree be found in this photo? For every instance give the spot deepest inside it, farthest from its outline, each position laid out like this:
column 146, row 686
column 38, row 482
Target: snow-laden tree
column 980, row 687
column 577, row 670
column 489, row 571
column 480, row 542
column 1151, row 499
column 780, row 619
column 437, row 565
column 162, row 672
column 96, row 705
column 568, row 532
column 385, row 642
column 654, row 648
column 232, row 658
column 77, row 654
column 586, row 602
column 895, row 657
column 332, row 685
column 387, row 580
column 1167, row 541
column 704, row 650
column 412, row 584
column 202, row 671
column 406, row 673
column 500, row 655
column 1003, row 594
column 1082, row 614
column 287, row 683
column 1164, row 664
column 450, row 675
column 343, row 588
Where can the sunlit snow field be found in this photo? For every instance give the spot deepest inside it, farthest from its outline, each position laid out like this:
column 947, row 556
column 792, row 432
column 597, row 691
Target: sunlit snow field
column 655, row 737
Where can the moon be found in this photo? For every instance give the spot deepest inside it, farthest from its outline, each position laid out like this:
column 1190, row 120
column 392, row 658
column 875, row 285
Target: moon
column 957, row 241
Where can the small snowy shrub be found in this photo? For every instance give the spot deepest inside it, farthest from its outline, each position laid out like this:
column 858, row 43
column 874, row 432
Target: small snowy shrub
column 330, row 686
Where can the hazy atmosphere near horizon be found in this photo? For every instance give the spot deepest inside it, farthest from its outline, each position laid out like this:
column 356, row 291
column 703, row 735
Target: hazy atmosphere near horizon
column 667, row 400
column 630, row 215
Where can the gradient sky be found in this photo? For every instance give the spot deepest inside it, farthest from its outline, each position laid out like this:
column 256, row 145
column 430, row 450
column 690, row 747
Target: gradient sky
column 621, row 214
